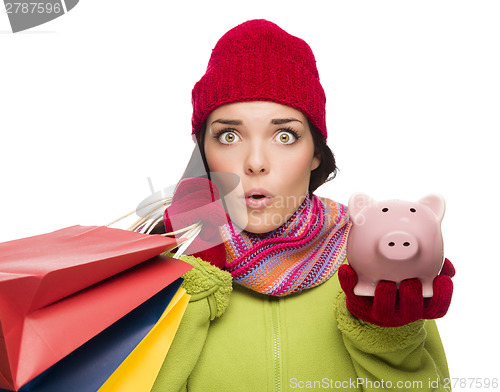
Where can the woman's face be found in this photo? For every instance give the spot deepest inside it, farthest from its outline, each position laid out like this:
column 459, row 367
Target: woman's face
column 270, row 147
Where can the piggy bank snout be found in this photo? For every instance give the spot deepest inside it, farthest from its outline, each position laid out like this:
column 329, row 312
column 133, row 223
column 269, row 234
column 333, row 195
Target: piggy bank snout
column 398, row 245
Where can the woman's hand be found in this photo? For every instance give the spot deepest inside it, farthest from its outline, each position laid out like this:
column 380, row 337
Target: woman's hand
column 194, row 200
column 393, row 307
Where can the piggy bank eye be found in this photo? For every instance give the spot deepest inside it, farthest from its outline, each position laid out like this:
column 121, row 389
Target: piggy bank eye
column 413, row 210
column 385, row 209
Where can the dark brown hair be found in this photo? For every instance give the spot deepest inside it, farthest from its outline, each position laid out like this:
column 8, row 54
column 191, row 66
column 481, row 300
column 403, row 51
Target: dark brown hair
column 326, row 170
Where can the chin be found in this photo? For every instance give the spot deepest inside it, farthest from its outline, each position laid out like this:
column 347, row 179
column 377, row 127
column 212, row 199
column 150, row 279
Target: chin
column 259, row 229
column 264, row 223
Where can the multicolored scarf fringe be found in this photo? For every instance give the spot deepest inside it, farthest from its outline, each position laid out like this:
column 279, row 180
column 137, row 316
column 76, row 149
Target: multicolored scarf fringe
column 303, row 253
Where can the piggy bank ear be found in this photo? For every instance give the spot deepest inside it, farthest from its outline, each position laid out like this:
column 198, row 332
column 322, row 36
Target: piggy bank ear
column 436, row 204
column 358, row 202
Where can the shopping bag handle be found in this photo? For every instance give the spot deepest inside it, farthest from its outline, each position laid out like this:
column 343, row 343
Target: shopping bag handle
column 154, row 215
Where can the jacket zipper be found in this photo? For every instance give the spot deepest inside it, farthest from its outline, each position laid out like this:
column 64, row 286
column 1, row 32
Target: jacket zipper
column 276, row 341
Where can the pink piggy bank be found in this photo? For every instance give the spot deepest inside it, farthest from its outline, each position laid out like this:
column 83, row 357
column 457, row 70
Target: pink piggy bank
column 395, row 240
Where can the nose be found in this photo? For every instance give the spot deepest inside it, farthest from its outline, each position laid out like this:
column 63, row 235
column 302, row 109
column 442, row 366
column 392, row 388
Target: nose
column 256, row 161
column 398, row 246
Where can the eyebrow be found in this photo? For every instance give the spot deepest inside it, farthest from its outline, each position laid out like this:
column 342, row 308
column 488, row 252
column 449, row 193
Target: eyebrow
column 275, row 121
column 279, row 121
column 228, row 122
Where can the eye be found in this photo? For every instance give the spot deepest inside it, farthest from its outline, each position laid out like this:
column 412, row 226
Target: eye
column 385, row 209
column 228, row 137
column 285, row 137
column 413, row 210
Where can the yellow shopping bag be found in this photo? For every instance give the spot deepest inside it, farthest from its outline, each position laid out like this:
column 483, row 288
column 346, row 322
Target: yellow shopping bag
column 139, row 370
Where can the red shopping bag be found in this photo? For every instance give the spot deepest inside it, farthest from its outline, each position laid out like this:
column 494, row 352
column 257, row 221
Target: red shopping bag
column 60, row 289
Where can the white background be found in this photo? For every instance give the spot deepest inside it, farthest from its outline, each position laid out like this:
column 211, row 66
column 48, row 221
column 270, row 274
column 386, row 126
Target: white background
column 98, row 100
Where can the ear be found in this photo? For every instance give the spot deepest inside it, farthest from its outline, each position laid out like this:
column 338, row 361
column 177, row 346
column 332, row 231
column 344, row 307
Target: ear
column 315, row 162
column 436, row 204
column 357, row 202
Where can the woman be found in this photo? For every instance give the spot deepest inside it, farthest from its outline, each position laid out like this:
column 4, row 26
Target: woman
column 267, row 311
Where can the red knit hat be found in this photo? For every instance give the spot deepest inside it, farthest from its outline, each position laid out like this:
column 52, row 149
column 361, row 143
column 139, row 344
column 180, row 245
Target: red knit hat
column 259, row 61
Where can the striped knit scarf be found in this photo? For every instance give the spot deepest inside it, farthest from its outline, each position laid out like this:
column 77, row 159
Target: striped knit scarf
column 302, row 253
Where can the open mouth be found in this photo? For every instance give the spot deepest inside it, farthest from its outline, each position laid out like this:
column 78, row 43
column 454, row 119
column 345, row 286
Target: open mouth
column 257, row 199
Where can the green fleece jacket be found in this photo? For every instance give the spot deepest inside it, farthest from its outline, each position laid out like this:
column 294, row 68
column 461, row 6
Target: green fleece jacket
column 233, row 339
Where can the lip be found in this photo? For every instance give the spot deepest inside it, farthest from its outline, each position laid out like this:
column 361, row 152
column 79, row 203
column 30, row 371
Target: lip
column 261, row 203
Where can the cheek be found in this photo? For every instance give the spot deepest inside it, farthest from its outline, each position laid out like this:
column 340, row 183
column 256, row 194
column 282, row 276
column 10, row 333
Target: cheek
column 296, row 171
column 292, row 186
column 217, row 160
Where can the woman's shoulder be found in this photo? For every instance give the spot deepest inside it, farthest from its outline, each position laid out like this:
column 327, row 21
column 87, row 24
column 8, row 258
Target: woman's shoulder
column 206, row 281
